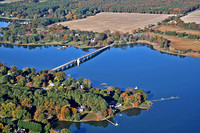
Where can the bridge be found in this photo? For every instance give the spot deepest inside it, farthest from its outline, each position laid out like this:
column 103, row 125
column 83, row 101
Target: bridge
column 77, row 62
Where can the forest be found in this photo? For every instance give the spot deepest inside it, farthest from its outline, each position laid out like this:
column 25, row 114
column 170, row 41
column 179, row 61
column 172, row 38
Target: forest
column 39, row 97
column 23, row 34
column 64, row 10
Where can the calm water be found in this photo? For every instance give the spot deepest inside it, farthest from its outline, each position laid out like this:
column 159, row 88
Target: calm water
column 130, row 66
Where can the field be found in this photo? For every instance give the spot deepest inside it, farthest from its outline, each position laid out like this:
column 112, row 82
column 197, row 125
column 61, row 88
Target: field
column 182, row 43
column 177, row 29
column 192, row 17
column 8, row 1
column 124, row 22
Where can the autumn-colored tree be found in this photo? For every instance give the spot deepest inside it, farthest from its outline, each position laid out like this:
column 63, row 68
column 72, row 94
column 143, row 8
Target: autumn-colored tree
column 49, row 106
column 75, row 16
column 68, row 16
column 65, row 37
column 18, row 113
column 99, row 43
column 124, row 95
column 60, row 76
column 74, row 111
column 27, row 103
column 110, row 111
column 64, row 113
column 29, row 84
column 40, row 117
column 7, row 109
column 44, row 84
column 104, row 113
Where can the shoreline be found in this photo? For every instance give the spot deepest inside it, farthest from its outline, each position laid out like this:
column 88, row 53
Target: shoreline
column 108, row 117
column 175, row 52
column 14, row 18
column 50, row 43
column 155, row 46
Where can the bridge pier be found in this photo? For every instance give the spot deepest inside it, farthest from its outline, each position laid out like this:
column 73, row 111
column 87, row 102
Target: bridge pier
column 78, row 62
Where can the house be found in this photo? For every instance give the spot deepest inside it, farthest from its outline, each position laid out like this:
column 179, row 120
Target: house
column 118, row 105
column 80, row 109
column 78, row 35
column 92, row 40
column 111, row 106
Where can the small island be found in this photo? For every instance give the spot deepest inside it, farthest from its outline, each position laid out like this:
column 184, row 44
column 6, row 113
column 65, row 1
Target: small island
column 33, row 100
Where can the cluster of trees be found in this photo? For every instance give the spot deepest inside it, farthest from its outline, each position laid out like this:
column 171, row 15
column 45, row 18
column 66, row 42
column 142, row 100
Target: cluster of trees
column 32, row 126
column 24, row 34
column 134, row 97
column 174, row 33
column 176, row 21
column 27, row 94
column 73, row 9
column 163, row 42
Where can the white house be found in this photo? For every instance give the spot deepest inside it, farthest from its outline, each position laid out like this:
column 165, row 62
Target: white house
column 118, row 105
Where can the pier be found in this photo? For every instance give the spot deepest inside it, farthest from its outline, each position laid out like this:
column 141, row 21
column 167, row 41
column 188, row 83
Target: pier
column 77, row 62
column 112, row 123
column 163, row 99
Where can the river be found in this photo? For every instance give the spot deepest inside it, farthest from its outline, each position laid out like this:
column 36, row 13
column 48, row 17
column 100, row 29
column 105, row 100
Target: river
column 128, row 66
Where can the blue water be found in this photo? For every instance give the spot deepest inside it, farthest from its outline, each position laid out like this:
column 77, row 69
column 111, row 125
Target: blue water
column 130, row 66
column 3, row 24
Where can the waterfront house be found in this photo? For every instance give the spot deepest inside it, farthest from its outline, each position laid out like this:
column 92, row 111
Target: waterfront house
column 118, row 105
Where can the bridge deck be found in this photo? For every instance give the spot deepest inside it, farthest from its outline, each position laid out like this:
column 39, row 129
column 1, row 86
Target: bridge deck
column 57, row 68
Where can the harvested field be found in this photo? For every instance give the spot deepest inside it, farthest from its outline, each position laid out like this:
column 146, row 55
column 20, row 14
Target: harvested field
column 124, row 22
column 8, row 1
column 182, row 43
column 175, row 28
column 192, row 17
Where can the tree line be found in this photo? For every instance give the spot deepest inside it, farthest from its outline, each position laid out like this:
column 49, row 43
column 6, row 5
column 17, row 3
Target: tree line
column 176, row 21
column 64, row 10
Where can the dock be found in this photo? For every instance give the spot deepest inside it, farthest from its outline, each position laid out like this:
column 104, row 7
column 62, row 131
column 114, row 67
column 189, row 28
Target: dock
column 163, row 99
column 112, row 123
column 77, row 62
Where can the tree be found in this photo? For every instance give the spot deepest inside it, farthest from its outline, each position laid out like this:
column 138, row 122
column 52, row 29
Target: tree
column 40, row 117
column 7, row 109
column 27, row 103
column 60, row 76
column 47, row 127
column 74, row 111
column 18, row 113
column 110, row 112
column 22, row 82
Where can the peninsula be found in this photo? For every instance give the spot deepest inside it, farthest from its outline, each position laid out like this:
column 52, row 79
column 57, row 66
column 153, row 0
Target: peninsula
column 29, row 97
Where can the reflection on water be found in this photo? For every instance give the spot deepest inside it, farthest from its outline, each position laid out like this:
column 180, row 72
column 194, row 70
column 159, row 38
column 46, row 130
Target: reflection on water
column 65, row 124
column 133, row 112
column 104, row 124
column 123, row 47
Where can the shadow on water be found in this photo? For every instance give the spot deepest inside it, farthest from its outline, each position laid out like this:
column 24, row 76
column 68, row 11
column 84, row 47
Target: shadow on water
column 104, row 124
column 132, row 112
column 29, row 47
column 123, row 47
column 132, row 45
column 65, row 124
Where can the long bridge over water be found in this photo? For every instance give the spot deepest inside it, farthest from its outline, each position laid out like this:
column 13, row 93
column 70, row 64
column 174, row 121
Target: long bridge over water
column 81, row 59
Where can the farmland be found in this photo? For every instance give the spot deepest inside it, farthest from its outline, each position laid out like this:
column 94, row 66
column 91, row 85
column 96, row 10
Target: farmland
column 192, row 17
column 177, row 29
column 124, row 22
